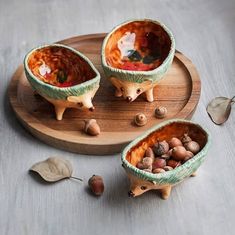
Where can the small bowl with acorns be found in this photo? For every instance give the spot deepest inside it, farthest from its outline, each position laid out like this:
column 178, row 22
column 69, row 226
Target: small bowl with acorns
column 164, row 156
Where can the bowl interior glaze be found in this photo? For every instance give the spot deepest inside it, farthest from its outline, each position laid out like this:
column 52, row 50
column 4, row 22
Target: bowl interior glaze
column 137, row 46
column 175, row 129
column 59, row 66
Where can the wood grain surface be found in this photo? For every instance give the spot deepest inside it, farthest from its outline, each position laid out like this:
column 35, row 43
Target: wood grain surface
column 179, row 91
column 205, row 204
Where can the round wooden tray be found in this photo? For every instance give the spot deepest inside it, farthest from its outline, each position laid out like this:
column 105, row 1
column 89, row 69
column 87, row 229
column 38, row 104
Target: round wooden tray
column 179, row 91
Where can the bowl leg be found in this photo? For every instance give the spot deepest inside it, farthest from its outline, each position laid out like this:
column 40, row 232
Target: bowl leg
column 59, row 110
column 165, row 192
column 194, row 174
column 149, row 95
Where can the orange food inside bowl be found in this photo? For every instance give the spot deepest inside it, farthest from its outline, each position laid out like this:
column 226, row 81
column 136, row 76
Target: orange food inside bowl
column 59, row 66
column 137, row 46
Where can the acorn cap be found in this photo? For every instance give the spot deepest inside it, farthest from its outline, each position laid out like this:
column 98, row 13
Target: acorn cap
column 160, row 112
column 140, row 119
column 92, row 127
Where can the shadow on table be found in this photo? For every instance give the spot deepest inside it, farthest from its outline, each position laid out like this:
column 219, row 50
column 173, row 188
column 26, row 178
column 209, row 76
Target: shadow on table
column 39, row 179
column 117, row 196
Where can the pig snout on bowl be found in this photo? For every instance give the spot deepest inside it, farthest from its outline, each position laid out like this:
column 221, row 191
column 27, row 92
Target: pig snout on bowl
column 128, row 99
column 131, row 194
column 84, row 101
column 87, row 104
column 130, row 93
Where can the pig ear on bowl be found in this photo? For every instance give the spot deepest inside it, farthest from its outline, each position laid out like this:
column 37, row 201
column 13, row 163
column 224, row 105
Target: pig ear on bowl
column 152, row 182
column 116, row 81
column 72, row 99
column 147, row 82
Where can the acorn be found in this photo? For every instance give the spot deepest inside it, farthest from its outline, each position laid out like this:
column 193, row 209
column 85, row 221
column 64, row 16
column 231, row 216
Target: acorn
column 140, row 119
column 91, row 127
column 96, row 185
column 159, row 163
column 160, row 112
column 161, row 148
column 147, row 162
column 179, row 153
column 185, row 139
column 149, row 153
column 165, row 145
column 192, row 146
column 140, row 165
column 166, row 155
column 170, row 152
column 186, row 159
column 158, row 149
column 172, row 163
column 158, row 170
column 175, row 142
column 188, row 156
column 168, row 168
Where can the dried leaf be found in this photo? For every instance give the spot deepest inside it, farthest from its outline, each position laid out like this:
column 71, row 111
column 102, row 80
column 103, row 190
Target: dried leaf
column 219, row 109
column 53, row 169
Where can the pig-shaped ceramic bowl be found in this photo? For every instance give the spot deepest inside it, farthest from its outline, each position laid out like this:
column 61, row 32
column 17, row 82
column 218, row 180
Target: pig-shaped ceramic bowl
column 63, row 76
column 136, row 55
column 142, row 181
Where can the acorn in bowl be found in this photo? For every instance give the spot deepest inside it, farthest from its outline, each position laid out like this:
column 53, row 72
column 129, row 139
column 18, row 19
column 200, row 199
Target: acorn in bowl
column 136, row 55
column 164, row 156
column 63, row 76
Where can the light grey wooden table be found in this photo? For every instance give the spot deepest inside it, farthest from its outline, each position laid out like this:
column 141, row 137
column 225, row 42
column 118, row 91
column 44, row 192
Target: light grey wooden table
column 204, row 205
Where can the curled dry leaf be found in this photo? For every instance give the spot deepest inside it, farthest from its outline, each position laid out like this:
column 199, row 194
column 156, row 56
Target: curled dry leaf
column 53, row 169
column 219, row 109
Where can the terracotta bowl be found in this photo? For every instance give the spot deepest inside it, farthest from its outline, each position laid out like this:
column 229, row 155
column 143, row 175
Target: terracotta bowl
column 142, row 181
column 63, row 76
column 136, row 55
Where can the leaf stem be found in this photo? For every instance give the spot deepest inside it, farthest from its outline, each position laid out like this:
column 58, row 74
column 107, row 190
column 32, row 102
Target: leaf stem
column 233, row 99
column 76, row 178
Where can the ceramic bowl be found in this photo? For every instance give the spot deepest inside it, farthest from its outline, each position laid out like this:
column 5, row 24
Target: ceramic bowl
column 142, row 181
column 136, row 55
column 63, row 76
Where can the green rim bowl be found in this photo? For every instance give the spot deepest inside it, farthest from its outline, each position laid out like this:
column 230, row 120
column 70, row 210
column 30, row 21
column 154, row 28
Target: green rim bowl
column 131, row 75
column 61, row 93
column 167, row 130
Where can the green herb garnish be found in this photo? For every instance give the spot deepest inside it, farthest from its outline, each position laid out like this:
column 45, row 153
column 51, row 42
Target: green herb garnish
column 61, row 76
column 134, row 55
